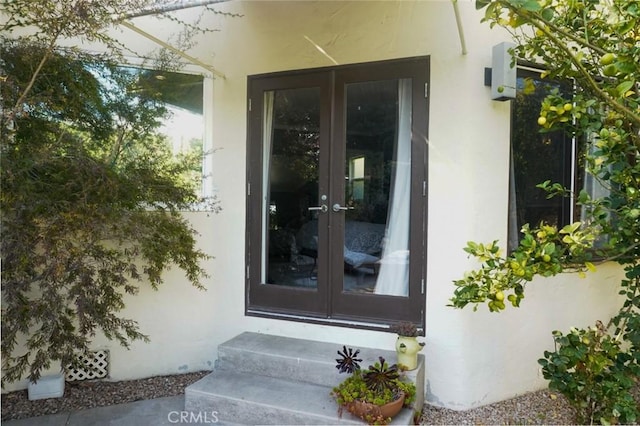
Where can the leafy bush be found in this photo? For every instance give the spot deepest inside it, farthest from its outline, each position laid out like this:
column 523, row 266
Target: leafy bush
column 90, row 204
column 589, row 368
column 594, row 45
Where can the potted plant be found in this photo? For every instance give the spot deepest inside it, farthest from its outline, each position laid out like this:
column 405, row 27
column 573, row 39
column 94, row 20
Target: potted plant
column 376, row 394
column 407, row 345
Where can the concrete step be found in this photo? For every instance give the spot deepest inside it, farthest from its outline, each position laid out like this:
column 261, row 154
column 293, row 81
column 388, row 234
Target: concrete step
column 293, row 359
column 265, row 379
column 249, row 399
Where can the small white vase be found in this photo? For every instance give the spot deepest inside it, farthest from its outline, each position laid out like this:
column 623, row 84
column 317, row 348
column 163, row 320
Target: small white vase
column 407, row 349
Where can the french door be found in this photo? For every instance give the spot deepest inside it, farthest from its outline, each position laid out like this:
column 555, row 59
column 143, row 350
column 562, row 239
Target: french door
column 337, row 193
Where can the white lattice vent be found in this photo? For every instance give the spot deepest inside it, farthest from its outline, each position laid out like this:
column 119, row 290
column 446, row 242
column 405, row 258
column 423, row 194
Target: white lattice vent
column 93, row 366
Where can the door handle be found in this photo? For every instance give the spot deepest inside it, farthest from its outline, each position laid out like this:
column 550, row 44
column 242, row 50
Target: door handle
column 337, row 207
column 323, row 208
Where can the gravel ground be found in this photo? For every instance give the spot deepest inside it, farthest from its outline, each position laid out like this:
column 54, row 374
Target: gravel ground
column 535, row 408
column 90, row 394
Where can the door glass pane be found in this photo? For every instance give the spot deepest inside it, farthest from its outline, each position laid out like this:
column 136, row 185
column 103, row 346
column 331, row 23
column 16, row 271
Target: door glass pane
column 377, row 189
column 291, row 149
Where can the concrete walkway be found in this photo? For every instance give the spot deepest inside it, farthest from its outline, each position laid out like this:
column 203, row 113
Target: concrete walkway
column 161, row 411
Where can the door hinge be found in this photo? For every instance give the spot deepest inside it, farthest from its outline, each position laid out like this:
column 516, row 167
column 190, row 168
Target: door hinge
column 424, row 188
column 248, row 190
column 249, row 104
column 422, row 286
column 426, row 90
column 248, row 273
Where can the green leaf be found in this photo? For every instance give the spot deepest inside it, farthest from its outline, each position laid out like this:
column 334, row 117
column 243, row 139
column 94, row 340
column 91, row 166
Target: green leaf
column 544, row 185
column 571, row 228
column 583, row 197
column 532, row 5
column 624, row 87
column 549, row 248
column 481, row 4
column 548, row 13
column 626, row 67
column 625, row 27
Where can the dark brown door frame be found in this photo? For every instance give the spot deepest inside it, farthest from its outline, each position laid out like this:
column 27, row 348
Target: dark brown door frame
column 368, row 306
column 326, row 303
column 300, row 301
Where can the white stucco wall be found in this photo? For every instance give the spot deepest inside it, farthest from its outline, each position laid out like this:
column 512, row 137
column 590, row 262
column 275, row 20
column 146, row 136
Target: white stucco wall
column 472, row 358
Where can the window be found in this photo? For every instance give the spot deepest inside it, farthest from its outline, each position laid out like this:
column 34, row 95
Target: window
column 183, row 126
column 537, row 157
column 356, row 178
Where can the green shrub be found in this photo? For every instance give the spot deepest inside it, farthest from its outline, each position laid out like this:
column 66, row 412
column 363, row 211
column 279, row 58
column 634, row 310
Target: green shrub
column 593, row 372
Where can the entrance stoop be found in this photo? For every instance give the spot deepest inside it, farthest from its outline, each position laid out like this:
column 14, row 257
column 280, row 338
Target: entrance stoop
column 265, row 379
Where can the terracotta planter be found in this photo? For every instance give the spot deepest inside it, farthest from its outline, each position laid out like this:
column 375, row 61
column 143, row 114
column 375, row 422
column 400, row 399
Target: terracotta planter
column 367, row 410
column 407, row 349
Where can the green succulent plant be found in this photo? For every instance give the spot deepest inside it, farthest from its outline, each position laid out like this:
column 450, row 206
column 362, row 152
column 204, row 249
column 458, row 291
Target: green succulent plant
column 380, row 384
column 405, row 328
column 381, row 376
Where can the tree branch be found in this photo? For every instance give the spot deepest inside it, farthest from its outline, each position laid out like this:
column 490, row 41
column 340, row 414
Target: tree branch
column 532, row 19
column 36, row 73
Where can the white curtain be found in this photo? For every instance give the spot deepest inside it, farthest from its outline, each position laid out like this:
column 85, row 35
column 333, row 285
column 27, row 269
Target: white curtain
column 267, row 142
column 393, row 278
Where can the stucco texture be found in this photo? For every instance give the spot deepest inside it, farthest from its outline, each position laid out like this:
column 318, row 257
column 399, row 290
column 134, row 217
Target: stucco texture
column 472, row 358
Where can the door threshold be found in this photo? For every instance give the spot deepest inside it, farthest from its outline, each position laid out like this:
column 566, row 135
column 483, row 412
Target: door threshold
column 337, row 322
